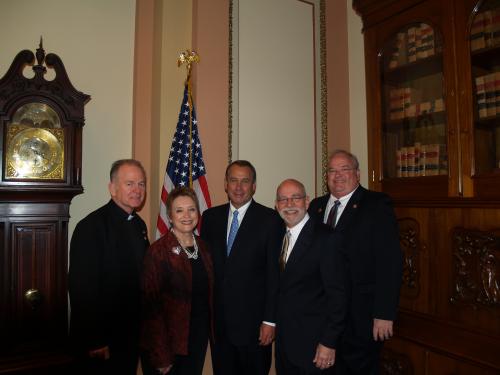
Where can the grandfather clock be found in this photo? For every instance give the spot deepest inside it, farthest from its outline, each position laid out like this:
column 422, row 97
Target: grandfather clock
column 41, row 124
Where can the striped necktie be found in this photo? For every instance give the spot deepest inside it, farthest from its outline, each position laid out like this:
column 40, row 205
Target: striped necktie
column 332, row 216
column 284, row 250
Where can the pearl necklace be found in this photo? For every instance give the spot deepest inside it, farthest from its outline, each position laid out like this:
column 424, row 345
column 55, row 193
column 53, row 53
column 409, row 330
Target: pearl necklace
column 190, row 255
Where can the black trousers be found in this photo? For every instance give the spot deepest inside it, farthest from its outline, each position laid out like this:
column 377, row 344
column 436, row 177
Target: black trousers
column 358, row 358
column 229, row 359
column 285, row 367
column 193, row 362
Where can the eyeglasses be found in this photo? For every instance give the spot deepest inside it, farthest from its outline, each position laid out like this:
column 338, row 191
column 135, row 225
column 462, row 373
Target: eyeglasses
column 283, row 200
column 340, row 171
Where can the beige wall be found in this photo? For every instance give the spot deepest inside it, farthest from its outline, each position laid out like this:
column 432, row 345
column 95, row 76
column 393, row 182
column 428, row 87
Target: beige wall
column 357, row 90
column 277, row 92
column 176, row 37
column 95, row 40
column 211, row 81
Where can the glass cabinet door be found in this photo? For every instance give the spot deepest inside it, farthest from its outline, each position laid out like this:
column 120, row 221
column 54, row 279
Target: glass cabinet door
column 414, row 129
column 485, row 66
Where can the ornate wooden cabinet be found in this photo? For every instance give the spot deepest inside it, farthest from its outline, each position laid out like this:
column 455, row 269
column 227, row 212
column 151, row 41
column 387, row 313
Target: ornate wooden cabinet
column 40, row 146
column 433, row 101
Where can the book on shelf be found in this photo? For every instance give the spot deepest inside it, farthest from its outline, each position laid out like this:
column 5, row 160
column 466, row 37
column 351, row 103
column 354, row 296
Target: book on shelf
column 432, row 159
column 404, row 162
column 485, row 30
column 477, row 40
column 396, row 104
column 410, row 161
column 406, row 102
column 439, row 105
column 398, row 163
column 398, row 56
column 426, row 48
column 421, row 160
column 416, row 167
column 487, row 25
column 497, row 92
column 412, row 47
column 418, row 42
column 489, row 88
column 402, row 48
column 495, row 27
column 481, row 97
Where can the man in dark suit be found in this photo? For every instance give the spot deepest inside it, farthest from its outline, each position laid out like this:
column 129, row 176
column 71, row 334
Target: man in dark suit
column 243, row 237
column 107, row 249
column 370, row 233
column 312, row 300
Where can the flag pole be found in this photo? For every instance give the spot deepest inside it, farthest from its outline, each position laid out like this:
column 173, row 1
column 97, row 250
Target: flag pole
column 189, row 57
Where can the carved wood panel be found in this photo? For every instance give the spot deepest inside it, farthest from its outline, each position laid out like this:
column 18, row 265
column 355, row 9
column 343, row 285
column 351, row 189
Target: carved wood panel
column 409, row 238
column 393, row 363
column 476, row 268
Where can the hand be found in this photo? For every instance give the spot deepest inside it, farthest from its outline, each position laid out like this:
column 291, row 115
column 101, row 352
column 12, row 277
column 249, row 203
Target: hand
column 382, row 329
column 101, row 353
column 266, row 335
column 324, row 358
column 164, row 370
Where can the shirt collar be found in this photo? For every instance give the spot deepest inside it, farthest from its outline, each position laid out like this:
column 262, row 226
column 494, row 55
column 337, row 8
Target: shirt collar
column 343, row 200
column 241, row 210
column 120, row 212
column 297, row 228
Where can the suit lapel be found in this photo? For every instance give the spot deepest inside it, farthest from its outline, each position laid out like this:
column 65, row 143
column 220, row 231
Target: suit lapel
column 301, row 245
column 222, row 235
column 244, row 230
column 351, row 208
column 319, row 213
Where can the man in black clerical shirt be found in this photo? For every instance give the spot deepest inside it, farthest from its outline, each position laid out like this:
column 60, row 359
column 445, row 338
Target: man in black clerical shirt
column 106, row 254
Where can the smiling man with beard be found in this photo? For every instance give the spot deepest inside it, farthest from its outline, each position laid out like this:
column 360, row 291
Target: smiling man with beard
column 311, row 302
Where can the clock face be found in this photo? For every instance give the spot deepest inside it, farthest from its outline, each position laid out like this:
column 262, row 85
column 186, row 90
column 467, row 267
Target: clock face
column 34, row 153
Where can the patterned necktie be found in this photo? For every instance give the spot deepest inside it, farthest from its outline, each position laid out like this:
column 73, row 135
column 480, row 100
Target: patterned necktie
column 232, row 231
column 332, row 216
column 284, row 250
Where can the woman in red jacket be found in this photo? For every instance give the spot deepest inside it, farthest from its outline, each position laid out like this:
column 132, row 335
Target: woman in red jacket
column 178, row 293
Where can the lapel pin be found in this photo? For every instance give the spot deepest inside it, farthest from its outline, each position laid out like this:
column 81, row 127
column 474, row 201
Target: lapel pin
column 354, row 206
column 176, row 250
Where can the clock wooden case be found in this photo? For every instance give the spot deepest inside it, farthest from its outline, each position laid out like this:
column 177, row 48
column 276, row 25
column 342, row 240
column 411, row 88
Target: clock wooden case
column 41, row 122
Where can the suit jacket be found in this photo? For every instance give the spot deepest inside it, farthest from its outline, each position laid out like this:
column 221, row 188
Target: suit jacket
column 371, row 238
column 312, row 297
column 246, row 281
column 167, row 287
column 106, row 255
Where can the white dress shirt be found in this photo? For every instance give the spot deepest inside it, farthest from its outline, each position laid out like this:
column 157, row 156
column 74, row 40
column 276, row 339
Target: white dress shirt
column 343, row 203
column 294, row 234
column 241, row 213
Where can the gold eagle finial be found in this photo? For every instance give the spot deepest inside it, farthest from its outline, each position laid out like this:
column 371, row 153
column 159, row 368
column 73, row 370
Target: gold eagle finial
column 188, row 57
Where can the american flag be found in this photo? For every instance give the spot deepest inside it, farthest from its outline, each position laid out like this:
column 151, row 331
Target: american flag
column 185, row 166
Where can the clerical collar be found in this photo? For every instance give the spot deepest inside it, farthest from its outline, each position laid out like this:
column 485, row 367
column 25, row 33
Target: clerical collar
column 121, row 212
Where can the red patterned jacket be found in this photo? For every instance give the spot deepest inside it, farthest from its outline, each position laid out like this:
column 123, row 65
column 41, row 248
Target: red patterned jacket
column 167, row 285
